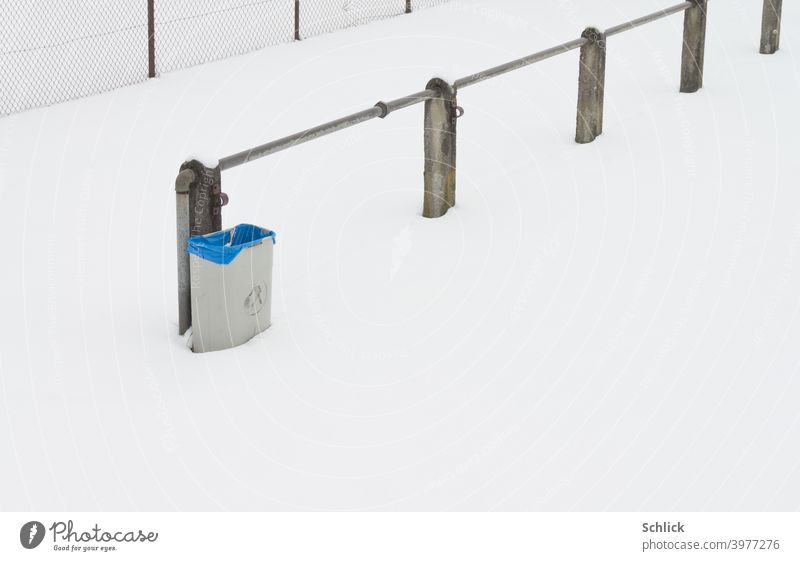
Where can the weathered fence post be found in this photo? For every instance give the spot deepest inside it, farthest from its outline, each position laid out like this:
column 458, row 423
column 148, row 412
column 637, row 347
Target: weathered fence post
column 591, row 86
column 151, row 39
column 296, row 20
column 182, row 186
column 199, row 202
column 694, row 46
column 441, row 113
column 408, row 6
column 771, row 26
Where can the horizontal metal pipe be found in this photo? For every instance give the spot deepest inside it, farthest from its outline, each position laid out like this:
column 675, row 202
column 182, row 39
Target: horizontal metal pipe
column 410, row 100
column 323, row 130
column 383, row 109
column 519, row 63
column 683, row 6
column 298, row 138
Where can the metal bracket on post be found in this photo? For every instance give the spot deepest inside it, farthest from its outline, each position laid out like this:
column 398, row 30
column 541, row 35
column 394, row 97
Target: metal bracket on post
column 441, row 113
column 199, row 201
column 771, row 26
column 591, row 86
column 694, row 46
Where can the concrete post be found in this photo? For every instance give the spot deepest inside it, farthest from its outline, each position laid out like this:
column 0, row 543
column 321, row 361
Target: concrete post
column 199, row 201
column 591, row 86
column 441, row 113
column 771, row 26
column 182, row 186
column 694, row 46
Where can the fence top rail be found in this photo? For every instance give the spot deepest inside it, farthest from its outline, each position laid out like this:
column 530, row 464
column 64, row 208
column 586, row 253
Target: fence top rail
column 297, row 138
column 519, row 63
column 627, row 26
column 382, row 109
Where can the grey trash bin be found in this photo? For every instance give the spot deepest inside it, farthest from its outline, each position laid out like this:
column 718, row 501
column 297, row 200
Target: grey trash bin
column 231, row 286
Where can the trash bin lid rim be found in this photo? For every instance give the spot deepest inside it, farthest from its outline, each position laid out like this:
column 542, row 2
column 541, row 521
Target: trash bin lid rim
column 222, row 247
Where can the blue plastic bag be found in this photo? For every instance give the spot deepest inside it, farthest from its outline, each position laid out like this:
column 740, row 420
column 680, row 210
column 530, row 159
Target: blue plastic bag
column 223, row 247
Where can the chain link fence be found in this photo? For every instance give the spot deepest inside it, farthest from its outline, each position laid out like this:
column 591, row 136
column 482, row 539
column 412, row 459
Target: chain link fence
column 55, row 50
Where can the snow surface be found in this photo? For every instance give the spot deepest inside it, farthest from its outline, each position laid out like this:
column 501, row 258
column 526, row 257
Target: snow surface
column 601, row 327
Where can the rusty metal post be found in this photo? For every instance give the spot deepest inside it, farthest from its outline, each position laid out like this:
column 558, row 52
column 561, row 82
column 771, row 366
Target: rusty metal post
column 441, row 113
column 199, row 201
column 771, row 26
column 591, row 86
column 408, row 6
column 151, row 39
column 694, row 46
column 296, row 20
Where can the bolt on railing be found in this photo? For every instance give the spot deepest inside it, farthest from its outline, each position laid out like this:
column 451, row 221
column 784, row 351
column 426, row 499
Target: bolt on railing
column 198, row 188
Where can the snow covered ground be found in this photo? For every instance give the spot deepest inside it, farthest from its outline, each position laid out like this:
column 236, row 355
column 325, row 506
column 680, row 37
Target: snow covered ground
column 610, row 326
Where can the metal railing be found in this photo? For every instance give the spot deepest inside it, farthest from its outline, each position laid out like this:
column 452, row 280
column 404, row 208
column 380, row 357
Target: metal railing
column 198, row 188
column 380, row 109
